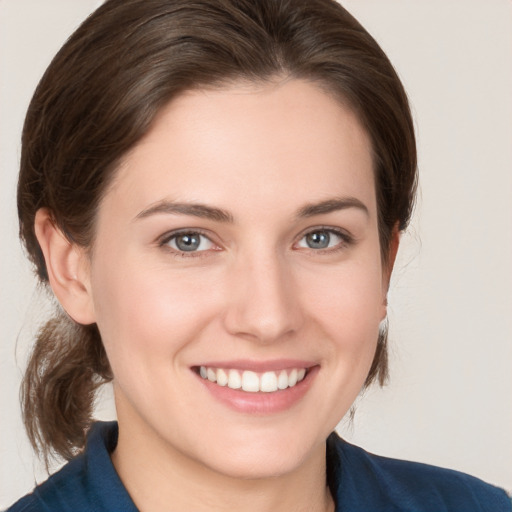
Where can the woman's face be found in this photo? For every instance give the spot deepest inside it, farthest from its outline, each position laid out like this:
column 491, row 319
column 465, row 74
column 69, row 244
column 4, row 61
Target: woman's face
column 239, row 243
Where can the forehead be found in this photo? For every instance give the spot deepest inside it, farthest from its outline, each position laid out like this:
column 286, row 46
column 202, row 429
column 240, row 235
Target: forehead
column 250, row 146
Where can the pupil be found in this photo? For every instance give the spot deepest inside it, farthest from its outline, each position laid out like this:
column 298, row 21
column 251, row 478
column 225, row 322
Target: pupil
column 188, row 242
column 318, row 240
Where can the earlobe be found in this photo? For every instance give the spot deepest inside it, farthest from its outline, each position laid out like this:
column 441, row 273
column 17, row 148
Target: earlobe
column 67, row 268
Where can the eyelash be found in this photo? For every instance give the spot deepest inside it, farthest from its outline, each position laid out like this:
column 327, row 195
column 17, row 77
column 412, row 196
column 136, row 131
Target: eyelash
column 346, row 240
column 183, row 254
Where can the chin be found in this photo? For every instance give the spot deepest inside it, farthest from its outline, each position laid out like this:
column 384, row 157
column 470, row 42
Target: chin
column 260, row 466
column 259, row 455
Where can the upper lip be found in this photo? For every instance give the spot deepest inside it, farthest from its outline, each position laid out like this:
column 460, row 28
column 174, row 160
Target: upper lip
column 259, row 366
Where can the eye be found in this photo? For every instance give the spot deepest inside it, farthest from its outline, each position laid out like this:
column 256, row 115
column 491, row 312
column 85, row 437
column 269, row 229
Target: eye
column 322, row 239
column 190, row 241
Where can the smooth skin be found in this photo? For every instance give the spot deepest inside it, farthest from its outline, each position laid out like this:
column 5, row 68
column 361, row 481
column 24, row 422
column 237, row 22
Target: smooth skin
column 254, row 288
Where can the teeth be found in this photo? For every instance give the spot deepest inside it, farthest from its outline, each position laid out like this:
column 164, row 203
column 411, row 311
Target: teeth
column 222, row 377
column 234, row 380
column 282, row 380
column 268, row 382
column 250, row 382
column 211, row 374
column 253, row 382
column 292, row 378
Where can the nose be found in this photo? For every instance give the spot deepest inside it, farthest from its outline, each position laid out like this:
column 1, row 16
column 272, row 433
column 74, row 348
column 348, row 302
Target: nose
column 262, row 304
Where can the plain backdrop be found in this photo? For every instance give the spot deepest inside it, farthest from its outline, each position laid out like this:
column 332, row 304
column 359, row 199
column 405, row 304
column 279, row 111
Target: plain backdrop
column 448, row 402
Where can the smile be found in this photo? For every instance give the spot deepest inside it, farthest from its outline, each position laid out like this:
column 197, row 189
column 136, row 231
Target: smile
column 254, row 382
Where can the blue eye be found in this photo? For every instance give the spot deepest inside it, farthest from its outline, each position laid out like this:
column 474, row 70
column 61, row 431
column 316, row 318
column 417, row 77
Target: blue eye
column 321, row 239
column 189, row 242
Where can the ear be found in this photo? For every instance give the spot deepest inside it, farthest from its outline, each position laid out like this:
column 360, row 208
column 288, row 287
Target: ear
column 394, row 243
column 68, row 269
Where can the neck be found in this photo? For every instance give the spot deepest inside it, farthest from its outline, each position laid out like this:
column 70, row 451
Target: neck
column 161, row 479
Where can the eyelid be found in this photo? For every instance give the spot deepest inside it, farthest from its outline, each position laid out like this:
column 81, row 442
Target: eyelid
column 347, row 238
column 164, row 239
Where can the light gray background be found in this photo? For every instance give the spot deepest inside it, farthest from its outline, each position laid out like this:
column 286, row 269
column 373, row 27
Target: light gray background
column 448, row 402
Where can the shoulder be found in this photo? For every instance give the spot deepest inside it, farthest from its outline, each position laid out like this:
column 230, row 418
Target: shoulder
column 378, row 483
column 61, row 491
column 88, row 482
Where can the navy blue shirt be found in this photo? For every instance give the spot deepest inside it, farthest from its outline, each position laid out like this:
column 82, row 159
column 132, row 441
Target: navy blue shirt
column 359, row 482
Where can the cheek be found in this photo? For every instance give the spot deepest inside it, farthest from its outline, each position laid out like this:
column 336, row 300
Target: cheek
column 347, row 311
column 348, row 301
column 146, row 312
column 344, row 305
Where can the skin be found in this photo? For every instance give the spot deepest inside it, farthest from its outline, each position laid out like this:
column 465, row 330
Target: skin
column 256, row 292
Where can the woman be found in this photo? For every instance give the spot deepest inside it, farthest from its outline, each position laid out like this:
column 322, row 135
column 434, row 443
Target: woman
column 214, row 192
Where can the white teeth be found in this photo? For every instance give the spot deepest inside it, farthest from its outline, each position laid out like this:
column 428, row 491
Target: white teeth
column 282, row 380
column 292, row 378
column 268, row 382
column 222, row 377
column 253, row 382
column 234, row 380
column 250, row 381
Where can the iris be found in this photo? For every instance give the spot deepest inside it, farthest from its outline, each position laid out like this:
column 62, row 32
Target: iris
column 318, row 239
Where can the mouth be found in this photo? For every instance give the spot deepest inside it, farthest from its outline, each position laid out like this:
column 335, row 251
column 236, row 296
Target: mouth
column 253, row 382
column 257, row 388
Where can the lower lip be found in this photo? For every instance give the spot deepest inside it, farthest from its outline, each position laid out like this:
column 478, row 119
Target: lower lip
column 261, row 402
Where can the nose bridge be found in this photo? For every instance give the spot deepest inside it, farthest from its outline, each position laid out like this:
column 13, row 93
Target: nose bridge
column 262, row 302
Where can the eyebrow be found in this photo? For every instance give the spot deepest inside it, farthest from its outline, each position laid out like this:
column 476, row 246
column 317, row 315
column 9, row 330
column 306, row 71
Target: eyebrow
column 193, row 209
column 220, row 215
column 332, row 205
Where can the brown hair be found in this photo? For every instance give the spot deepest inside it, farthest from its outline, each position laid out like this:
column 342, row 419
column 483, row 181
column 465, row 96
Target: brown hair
column 100, row 95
